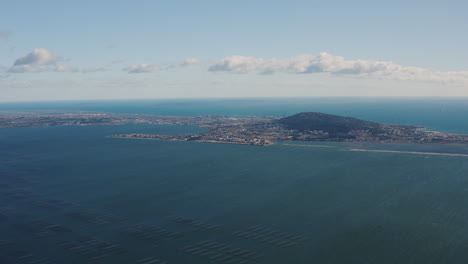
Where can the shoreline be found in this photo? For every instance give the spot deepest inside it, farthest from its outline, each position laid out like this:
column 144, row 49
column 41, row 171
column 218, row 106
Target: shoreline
column 195, row 140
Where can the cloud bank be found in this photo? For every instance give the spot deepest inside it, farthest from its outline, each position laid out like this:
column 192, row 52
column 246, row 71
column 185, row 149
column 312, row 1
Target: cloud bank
column 335, row 65
column 43, row 60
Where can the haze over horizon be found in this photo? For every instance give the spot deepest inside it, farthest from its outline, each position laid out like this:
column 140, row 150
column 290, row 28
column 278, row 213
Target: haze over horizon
column 90, row 50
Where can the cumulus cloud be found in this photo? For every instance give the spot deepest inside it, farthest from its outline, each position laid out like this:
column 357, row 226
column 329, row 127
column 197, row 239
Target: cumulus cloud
column 40, row 60
column 37, row 57
column 140, row 68
column 335, row 65
column 35, row 61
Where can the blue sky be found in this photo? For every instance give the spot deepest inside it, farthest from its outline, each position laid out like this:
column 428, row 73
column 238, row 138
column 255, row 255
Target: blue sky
column 71, row 50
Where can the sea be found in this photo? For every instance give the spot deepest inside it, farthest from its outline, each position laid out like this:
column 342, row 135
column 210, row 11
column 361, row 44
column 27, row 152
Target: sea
column 72, row 194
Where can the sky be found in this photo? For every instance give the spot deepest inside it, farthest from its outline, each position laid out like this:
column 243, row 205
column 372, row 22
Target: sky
column 86, row 50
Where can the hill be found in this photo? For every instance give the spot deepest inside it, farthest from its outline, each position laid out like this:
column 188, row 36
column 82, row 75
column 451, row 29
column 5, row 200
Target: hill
column 325, row 122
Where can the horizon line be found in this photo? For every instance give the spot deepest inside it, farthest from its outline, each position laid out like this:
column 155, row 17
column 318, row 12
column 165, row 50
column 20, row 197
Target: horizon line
column 240, row 98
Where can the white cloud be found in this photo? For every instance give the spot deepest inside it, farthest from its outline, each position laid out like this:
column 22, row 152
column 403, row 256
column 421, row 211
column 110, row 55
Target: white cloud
column 37, row 57
column 37, row 60
column 68, row 68
column 335, row 65
column 140, row 68
column 41, row 60
column 189, row 61
column 183, row 63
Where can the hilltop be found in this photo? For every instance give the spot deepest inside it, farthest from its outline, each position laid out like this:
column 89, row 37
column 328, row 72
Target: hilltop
column 309, row 121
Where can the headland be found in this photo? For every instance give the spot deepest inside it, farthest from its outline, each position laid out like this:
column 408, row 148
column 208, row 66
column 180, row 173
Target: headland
column 250, row 130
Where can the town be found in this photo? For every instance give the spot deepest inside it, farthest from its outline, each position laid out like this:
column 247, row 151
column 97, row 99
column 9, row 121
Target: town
column 245, row 130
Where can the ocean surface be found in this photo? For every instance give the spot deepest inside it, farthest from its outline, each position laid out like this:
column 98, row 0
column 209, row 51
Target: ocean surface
column 71, row 194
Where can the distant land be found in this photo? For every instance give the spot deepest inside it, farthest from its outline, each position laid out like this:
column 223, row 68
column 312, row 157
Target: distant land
column 259, row 131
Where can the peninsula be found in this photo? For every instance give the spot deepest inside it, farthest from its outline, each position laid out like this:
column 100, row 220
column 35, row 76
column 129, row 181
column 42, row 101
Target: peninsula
column 246, row 130
column 309, row 126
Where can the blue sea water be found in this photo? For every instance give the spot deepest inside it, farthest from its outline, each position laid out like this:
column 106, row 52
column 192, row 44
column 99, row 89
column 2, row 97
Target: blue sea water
column 294, row 202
